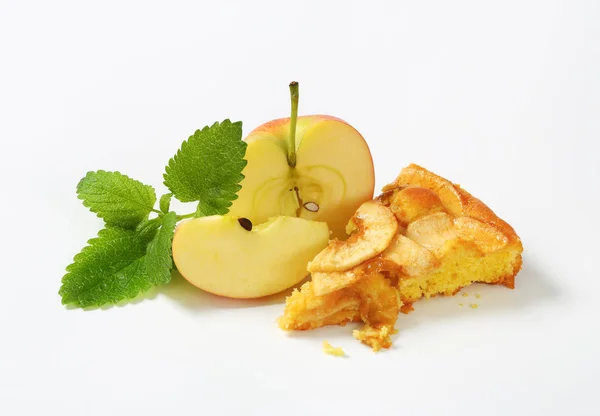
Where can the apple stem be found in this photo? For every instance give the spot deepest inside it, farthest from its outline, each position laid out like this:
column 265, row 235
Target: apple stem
column 294, row 95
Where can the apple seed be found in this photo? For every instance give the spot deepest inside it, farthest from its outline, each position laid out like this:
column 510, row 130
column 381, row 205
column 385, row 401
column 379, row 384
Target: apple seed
column 311, row 206
column 245, row 223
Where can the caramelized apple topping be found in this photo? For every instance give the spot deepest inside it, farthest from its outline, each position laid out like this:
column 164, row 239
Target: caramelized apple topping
column 374, row 226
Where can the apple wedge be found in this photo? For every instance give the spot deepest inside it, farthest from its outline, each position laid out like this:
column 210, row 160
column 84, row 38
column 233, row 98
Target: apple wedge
column 226, row 256
column 314, row 167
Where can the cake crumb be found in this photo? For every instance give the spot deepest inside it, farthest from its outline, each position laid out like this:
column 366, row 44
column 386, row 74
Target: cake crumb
column 335, row 351
column 465, row 295
column 474, row 305
column 477, row 295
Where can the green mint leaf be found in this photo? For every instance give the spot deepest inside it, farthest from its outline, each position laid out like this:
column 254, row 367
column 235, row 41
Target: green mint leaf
column 116, row 198
column 208, row 168
column 110, row 269
column 159, row 260
column 165, row 203
column 120, row 264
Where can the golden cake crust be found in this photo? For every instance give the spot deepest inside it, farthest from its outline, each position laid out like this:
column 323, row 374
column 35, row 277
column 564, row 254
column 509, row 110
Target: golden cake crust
column 459, row 203
column 456, row 200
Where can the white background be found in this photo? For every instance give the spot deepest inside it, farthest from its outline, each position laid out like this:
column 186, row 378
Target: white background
column 501, row 97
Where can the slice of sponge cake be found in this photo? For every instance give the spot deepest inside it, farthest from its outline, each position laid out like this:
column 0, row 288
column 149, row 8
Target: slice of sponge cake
column 422, row 237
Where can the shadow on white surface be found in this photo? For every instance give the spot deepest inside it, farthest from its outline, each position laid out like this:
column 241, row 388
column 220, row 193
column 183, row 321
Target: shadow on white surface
column 191, row 297
column 533, row 287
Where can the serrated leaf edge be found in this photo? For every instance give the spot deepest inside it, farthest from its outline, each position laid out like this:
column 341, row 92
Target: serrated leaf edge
column 82, row 198
column 185, row 144
column 90, row 244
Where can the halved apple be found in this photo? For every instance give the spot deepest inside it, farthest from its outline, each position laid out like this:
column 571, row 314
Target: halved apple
column 226, row 256
column 314, row 167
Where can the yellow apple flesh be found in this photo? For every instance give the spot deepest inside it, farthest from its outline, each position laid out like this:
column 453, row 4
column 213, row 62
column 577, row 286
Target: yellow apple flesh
column 217, row 254
column 333, row 175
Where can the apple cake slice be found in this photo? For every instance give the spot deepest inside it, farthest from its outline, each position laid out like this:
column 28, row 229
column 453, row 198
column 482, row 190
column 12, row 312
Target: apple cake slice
column 422, row 237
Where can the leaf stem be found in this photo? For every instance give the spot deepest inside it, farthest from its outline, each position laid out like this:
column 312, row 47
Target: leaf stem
column 183, row 217
column 157, row 211
column 294, row 96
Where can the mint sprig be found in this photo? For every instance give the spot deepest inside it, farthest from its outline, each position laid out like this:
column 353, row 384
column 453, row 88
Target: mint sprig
column 133, row 252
